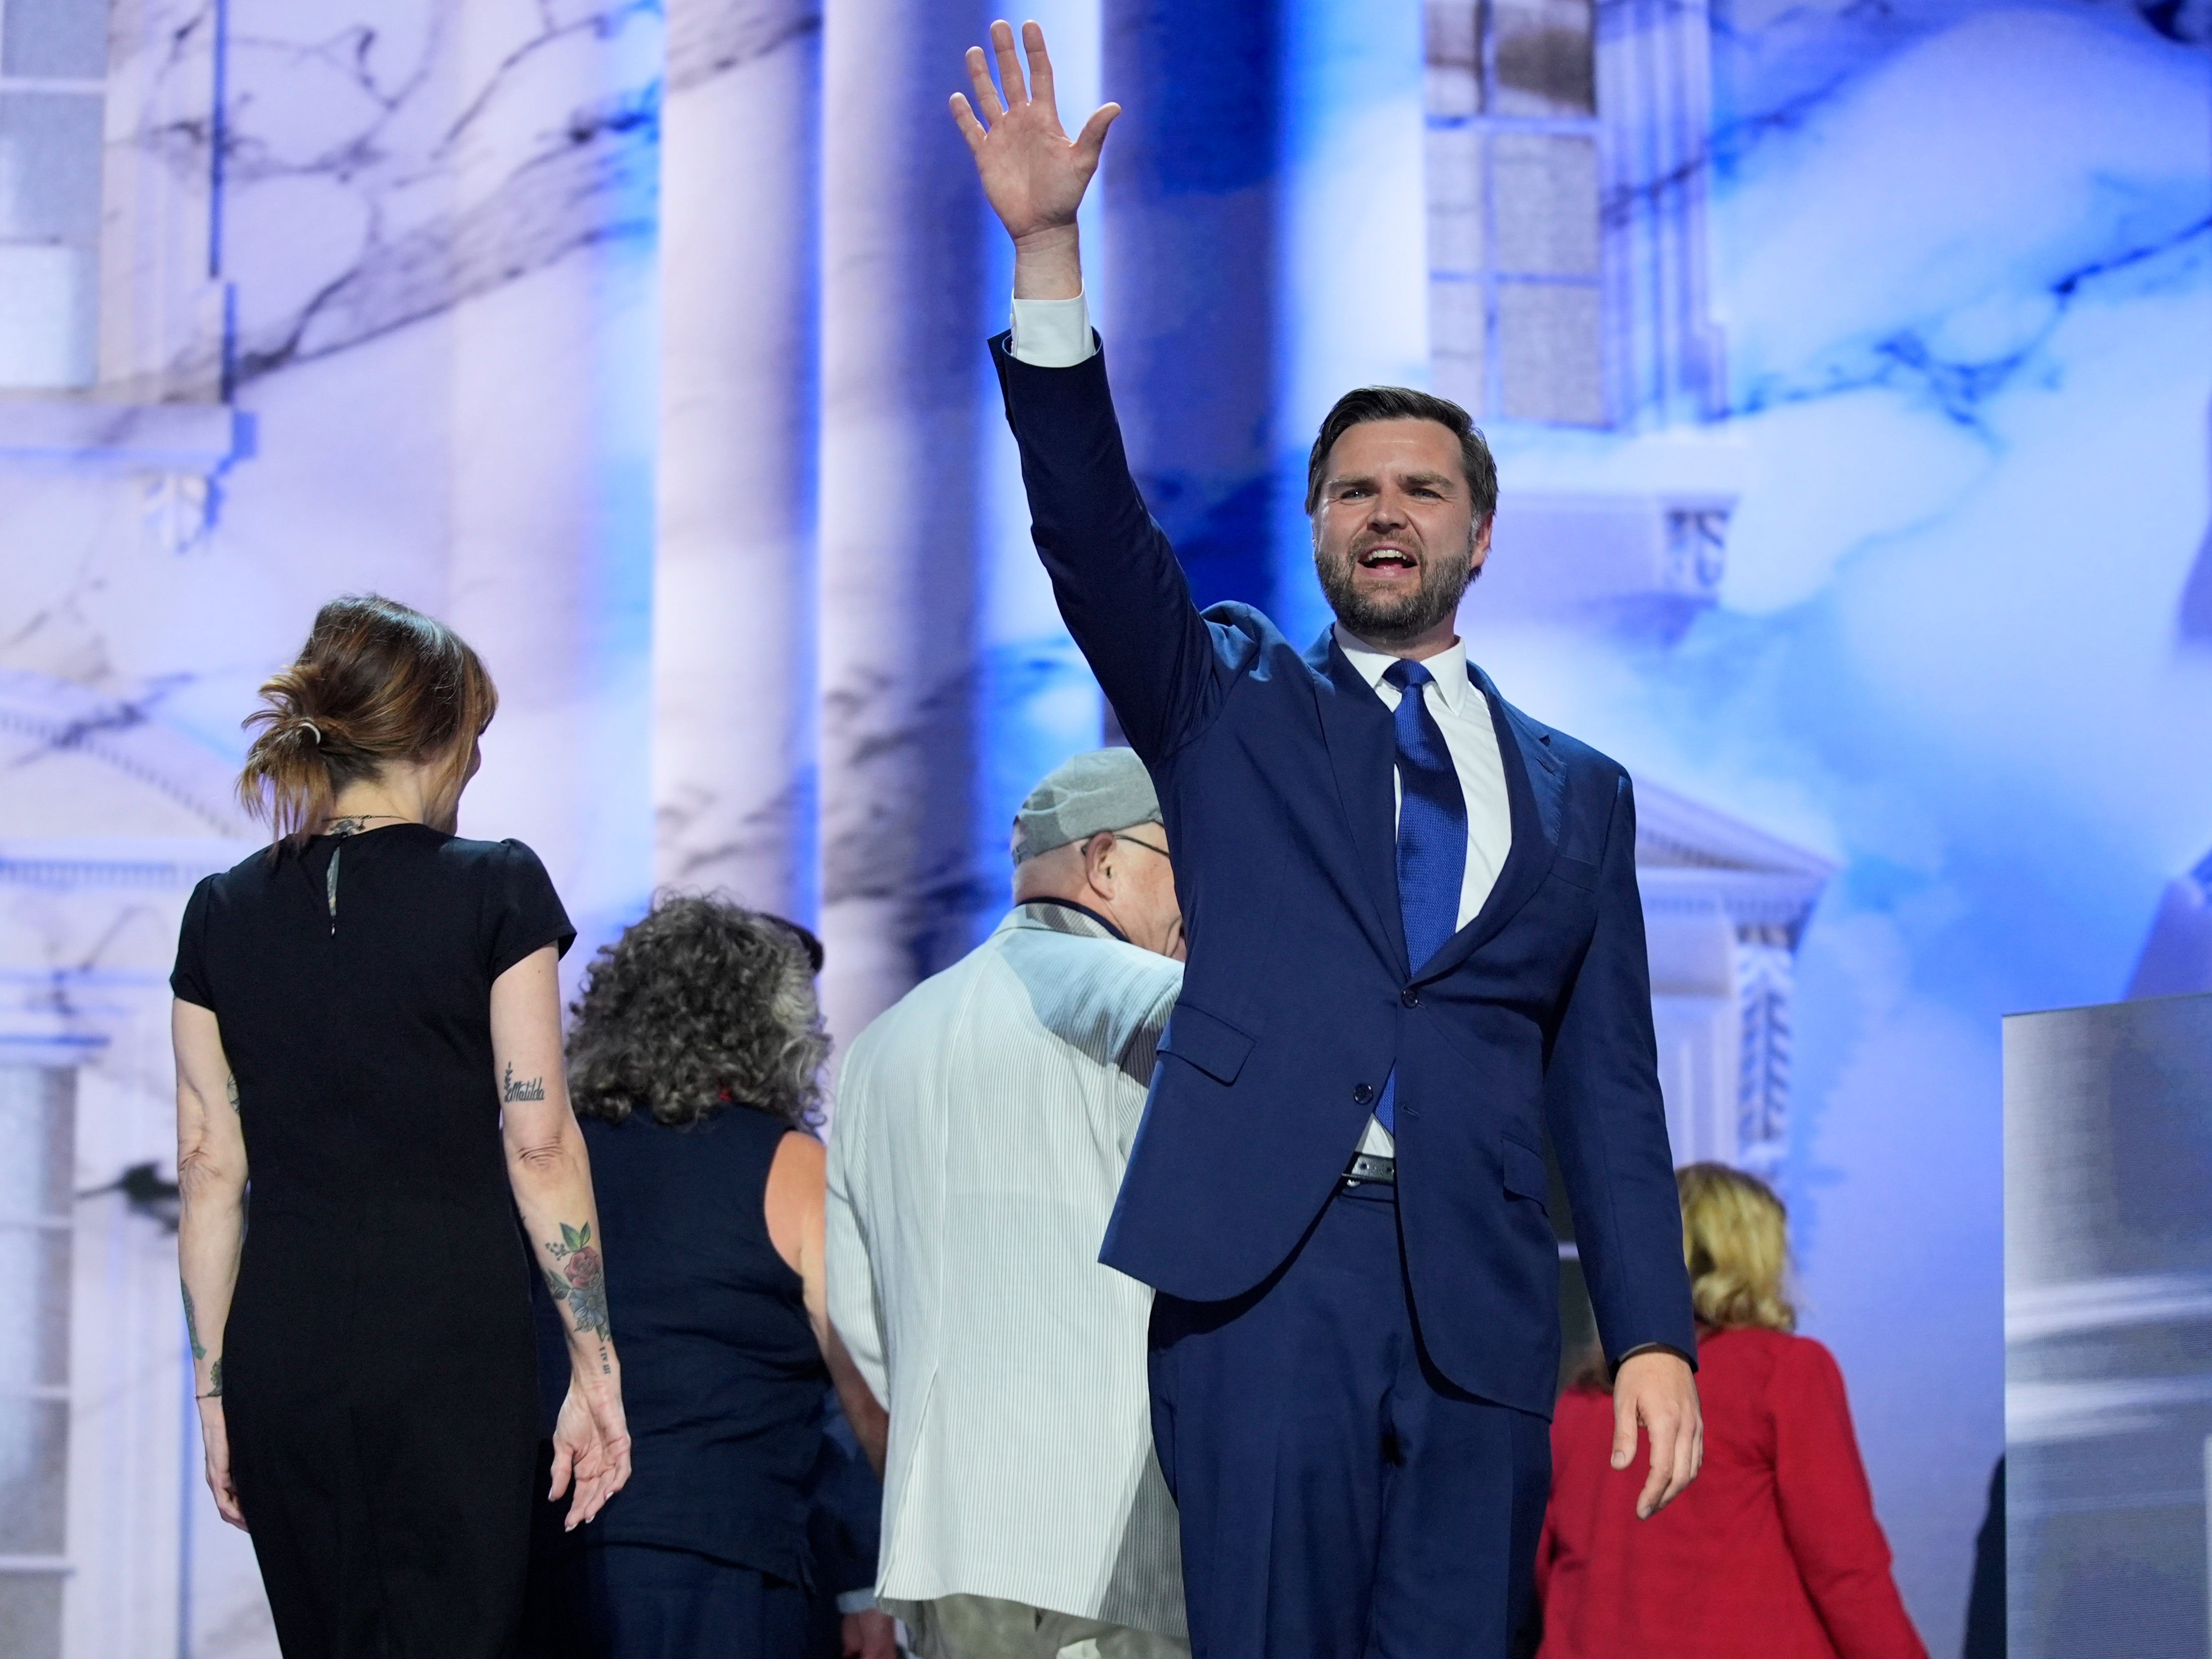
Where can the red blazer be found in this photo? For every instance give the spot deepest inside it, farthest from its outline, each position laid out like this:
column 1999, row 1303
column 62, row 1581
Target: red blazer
column 1772, row 1553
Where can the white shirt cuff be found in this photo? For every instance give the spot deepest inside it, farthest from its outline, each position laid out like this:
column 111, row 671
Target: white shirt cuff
column 1052, row 333
column 858, row 1600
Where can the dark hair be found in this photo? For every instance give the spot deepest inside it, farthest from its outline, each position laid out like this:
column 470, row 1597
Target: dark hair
column 700, row 1005
column 1399, row 402
column 375, row 682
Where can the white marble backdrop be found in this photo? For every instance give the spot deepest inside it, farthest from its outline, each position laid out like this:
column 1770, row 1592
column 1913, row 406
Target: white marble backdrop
column 416, row 246
column 1962, row 254
column 735, row 788
column 902, row 300
column 645, row 343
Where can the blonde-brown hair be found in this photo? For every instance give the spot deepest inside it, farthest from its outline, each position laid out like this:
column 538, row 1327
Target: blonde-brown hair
column 1736, row 1242
column 377, row 682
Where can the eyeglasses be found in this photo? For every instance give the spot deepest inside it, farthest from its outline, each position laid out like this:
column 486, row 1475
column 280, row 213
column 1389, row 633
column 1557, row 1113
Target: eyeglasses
column 1146, row 845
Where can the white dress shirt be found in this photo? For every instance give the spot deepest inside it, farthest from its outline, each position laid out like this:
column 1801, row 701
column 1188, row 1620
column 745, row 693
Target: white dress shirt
column 982, row 1128
column 1056, row 334
column 1463, row 714
column 1052, row 333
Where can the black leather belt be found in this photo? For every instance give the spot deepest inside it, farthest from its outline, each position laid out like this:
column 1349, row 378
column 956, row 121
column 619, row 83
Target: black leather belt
column 1366, row 1167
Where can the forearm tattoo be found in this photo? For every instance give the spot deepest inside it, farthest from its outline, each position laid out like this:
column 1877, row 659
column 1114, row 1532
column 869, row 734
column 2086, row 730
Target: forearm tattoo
column 512, row 1088
column 230, row 1089
column 192, row 1322
column 200, row 1350
column 580, row 1280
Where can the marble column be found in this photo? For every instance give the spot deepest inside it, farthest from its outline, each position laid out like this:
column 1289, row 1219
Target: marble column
column 903, row 388
column 554, row 411
column 1353, row 296
column 1036, row 701
column 1190, row 275
column 1654, row 94
column 161, row 304
column 733, row 621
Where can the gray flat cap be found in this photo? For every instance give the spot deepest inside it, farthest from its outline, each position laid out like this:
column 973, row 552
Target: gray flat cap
column 1104, row 789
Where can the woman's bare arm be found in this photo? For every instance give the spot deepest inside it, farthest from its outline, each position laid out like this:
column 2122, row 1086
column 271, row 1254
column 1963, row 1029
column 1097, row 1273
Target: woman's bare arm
column 550, row 1173
column 210, row 1222
column 797, row 1187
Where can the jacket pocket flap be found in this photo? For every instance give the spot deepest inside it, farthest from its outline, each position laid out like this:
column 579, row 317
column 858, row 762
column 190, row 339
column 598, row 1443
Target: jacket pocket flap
column 1525, row 1175
column 1579, row 872
column 1215, row 1046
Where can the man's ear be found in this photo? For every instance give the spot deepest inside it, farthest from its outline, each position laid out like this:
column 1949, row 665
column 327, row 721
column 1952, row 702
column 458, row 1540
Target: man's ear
column 1479, row 544
column 1097, row 854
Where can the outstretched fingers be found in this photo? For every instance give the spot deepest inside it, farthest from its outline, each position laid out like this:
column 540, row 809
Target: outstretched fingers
column 979, row 79
column 964, row 118
column 1041, row 87
column 1092, row 138
column 1010, row 63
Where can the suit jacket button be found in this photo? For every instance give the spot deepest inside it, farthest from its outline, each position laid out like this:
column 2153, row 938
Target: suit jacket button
column 1410, row 998
column 1362, row 1095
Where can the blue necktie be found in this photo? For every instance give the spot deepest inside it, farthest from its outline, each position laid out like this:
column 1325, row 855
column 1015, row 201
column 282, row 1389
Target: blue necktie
column 1431, row 836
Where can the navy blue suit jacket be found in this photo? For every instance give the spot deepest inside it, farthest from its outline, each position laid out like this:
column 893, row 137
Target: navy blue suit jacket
column 1273, row 768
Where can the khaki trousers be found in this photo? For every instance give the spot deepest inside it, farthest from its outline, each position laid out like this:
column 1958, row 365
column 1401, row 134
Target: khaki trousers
column 982, row 1627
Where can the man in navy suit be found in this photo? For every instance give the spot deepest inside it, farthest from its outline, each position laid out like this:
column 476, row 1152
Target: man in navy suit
column 1415, row 944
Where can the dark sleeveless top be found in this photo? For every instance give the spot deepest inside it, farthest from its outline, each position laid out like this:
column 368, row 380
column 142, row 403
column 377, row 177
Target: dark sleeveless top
column 722, row 1379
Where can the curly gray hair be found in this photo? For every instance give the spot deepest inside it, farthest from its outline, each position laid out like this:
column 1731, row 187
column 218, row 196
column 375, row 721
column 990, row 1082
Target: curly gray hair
column 700, row 1005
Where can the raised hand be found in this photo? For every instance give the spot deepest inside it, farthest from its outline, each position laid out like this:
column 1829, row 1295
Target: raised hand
column 1033, row 174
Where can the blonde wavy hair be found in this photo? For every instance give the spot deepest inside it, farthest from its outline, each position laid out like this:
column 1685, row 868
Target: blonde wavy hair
column 1736, row 1242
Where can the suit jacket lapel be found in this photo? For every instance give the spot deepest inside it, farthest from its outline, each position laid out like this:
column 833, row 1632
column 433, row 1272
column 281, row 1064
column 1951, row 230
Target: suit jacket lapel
column 1535, row 790
column 1362, row 750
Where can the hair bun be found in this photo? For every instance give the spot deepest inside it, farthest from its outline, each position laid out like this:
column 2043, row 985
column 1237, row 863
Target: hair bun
column 376, row 682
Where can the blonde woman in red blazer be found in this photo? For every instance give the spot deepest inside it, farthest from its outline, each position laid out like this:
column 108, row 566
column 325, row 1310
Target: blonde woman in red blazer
column 1774, row 1552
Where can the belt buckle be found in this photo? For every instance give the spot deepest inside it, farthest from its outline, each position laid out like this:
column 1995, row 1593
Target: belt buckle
column 1368, row 1170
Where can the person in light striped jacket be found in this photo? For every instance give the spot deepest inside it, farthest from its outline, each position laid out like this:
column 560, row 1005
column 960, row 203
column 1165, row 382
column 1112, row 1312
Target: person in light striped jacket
column 978, row 1141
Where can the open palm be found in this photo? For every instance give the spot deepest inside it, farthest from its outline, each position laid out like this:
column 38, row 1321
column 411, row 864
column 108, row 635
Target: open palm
column 1033, row 174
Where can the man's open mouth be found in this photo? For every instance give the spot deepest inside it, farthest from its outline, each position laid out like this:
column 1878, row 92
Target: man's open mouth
column 1388, row 558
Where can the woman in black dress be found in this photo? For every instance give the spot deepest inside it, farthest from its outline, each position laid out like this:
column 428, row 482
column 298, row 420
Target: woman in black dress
column 368, row 1022
column 695, row 1061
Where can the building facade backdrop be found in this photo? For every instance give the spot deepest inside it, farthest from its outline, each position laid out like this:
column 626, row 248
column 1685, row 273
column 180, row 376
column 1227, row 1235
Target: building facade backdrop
column 1854, row 480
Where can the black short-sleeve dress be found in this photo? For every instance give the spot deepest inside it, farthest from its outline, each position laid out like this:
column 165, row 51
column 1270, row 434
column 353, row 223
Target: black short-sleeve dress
column 379, row 1375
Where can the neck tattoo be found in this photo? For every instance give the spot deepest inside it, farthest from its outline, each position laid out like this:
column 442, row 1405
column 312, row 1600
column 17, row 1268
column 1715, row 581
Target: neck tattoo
column 357, row 822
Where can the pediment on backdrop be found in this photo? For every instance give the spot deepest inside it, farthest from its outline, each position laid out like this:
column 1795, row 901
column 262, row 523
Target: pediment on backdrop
column 1691, row 857
column 84, row 765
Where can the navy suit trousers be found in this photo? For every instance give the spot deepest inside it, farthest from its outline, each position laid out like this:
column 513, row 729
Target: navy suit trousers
column 1340, row 1498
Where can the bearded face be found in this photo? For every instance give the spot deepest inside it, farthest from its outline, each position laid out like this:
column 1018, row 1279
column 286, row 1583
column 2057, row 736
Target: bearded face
column 1396, row 542
column 1364, row 586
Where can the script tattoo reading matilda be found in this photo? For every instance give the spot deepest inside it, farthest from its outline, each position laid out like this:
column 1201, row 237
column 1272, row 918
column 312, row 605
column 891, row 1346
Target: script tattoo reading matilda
column 512, row 1089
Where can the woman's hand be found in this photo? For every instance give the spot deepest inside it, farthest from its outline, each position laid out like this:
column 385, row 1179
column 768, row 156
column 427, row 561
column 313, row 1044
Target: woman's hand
column 215, row 1437
column 591, row 1446
column 551, row 1174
